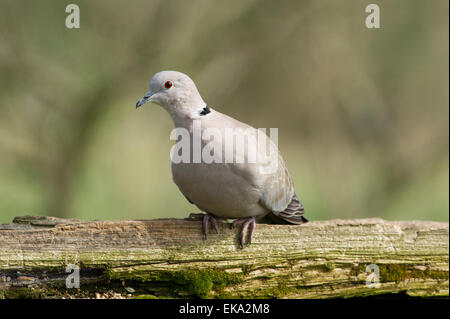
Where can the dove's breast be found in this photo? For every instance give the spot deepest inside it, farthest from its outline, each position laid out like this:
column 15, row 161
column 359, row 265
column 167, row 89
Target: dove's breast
column 218, row 190
column 237, row 189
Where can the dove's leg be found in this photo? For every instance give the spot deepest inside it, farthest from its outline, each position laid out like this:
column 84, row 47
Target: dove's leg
column 248, row 223
column 251, row 230
column 206, row 219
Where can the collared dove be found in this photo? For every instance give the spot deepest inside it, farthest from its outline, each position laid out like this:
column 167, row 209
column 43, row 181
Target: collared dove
column 236, row 190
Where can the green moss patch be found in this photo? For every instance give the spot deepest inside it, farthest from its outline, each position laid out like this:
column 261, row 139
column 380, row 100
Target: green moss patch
column 401, row 272
column 191, row 282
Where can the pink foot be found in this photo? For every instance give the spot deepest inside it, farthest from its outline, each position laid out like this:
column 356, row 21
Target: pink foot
column 248, row 223
column 207, row 218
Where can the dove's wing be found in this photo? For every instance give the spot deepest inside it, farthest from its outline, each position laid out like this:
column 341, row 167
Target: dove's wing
column 271, row 176
column 278, row 193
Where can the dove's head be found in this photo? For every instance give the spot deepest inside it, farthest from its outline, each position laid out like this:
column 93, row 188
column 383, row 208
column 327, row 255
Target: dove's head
column 175, row 91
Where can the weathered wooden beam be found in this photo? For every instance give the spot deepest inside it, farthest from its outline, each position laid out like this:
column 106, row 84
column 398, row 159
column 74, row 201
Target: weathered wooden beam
column 170, row 258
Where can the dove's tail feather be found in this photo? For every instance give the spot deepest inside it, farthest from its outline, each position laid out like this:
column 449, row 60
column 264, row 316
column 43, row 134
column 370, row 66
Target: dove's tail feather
column 293, row 214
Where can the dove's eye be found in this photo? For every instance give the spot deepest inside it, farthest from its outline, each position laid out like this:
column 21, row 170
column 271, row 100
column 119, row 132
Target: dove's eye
column 168, row 84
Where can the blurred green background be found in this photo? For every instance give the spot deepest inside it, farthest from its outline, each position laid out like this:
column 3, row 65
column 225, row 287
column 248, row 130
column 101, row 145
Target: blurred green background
column 362, row 113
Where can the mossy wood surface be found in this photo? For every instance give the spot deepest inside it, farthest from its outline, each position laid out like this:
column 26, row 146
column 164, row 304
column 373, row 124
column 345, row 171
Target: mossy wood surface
column 168, row 258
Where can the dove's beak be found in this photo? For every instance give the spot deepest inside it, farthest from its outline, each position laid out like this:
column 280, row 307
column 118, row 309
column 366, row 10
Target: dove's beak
column 145, row 99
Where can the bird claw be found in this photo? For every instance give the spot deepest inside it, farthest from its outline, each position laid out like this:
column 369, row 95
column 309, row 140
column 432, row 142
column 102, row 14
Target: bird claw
column 248, row 223
column 207, row 218
column 214, row 223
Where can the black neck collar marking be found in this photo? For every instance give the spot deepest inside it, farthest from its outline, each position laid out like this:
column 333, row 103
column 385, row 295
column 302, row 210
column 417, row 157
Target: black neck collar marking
column 205, row 110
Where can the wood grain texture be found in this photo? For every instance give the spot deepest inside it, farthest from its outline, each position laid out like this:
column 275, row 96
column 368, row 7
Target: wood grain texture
column 170, row 258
